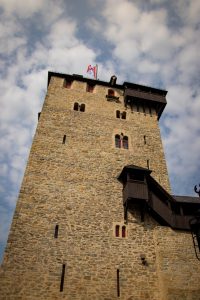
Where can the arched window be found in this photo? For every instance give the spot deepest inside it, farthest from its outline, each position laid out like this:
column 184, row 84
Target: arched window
column 118, row 114
column 123, row 231
column 82, row 107
column 76, row 106
column 117, row 141
column 111, row 92
column 117, row 230
column 123, row 114
column 125, row 142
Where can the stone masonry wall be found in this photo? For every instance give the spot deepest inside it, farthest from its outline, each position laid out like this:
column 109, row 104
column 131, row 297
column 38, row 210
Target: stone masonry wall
column 74, row 185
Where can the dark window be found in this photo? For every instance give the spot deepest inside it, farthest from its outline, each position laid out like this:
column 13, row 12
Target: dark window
column 125, row 142
column 123, row 231
column 82, row 107
column 90, row 88
column 117, row 141
column 68, row 84
column 64, row 139
column 136, row 176
column 118, row 285
column 56, row 232
column 111, row 92
column 145, row 141
column 39, row 115
column 62, row 278
column 147, row 163
column 79, row 107
column 118, row 114
column 76, row 106
column 117, row 230
column 123, row 114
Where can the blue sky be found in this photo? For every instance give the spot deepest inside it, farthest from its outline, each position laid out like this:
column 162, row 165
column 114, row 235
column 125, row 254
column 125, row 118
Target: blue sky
column 153, row 42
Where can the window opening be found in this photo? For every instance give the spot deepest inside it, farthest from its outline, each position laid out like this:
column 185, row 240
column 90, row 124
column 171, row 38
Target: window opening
column 56, row 232
column 90, row 88
column 118, row 286
column 145, row 141
column 125, row 142
column 123, row 114
column 76, row 106
column 64, row 139
column 82, row 107
column 136, row 176
column 68, row 84
column 147, row 163
column 117, row 141
column 117, row 230
column 79, row 107
column 118, row 114
column 111, row 92
column 62, row 278
column 39, row 115
column 123, row 231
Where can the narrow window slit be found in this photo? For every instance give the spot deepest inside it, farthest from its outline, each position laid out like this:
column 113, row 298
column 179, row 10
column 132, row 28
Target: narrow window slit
column 56, row 232
column 123, row 231
column 117, row 230
column 64, row 139
column 147, row 163
column 118, row 286
column 62, row 278
column 145, row 141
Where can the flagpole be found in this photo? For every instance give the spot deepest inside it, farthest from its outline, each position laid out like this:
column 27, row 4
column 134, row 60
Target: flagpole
column 96, row 71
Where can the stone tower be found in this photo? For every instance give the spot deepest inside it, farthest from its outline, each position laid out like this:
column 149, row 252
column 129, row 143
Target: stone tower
column 95, row 218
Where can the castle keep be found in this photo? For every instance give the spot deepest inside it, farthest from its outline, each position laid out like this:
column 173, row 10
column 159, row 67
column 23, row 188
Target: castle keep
column 95, row 218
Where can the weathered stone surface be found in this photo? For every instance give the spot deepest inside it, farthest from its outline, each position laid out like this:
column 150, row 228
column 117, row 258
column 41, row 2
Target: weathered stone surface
column 74, row 185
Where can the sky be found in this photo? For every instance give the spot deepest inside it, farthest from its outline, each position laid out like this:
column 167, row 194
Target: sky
column 149, row 42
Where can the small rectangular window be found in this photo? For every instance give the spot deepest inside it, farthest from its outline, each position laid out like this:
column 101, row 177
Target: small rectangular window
column 56, row 232
column 111, row 92
column 68, row 84
column 118, row 114
column 90, row 88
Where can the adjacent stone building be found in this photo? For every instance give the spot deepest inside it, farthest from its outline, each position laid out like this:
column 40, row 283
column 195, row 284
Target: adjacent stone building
column 95, row 218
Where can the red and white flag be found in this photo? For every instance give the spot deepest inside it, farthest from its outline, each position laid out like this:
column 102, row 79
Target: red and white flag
column 92, row 70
